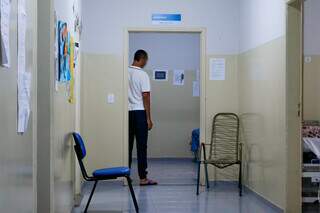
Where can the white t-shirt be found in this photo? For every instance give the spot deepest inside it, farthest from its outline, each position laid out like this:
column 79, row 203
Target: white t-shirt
column 139, row 82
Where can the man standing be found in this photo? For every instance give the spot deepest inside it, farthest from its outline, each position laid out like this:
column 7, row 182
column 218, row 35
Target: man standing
column 139, row 113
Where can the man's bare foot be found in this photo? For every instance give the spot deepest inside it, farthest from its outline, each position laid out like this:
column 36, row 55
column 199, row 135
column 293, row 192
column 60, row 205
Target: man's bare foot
column 147, row 182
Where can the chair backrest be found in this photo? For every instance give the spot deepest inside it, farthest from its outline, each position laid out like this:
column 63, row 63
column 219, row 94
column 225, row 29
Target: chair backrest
column 225, row 137
column 81, row 152
column 79, row 145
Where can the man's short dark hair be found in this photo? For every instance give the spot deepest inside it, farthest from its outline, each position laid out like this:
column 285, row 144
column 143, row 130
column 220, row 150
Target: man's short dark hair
column 140, row 54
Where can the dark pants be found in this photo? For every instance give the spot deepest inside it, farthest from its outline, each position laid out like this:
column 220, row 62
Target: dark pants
column 138, row 129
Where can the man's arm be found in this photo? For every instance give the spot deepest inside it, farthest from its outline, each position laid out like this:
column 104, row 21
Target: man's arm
column 146, row 104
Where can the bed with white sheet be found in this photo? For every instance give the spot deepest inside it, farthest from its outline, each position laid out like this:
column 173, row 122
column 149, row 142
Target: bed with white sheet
column 311, row 138
column 311, row 166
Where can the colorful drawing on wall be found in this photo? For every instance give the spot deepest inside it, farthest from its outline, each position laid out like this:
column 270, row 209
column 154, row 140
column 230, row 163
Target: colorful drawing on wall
column 64, row 52
column 56, row 52
column 72, row 65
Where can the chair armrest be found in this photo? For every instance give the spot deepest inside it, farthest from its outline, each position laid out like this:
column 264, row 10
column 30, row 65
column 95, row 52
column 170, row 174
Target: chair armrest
column 203, row 145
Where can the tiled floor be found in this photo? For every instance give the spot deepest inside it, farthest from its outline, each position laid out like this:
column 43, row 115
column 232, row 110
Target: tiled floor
column 169, row 171
column 174, row 194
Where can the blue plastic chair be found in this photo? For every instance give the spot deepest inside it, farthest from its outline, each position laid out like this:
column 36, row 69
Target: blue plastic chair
column 101, row 174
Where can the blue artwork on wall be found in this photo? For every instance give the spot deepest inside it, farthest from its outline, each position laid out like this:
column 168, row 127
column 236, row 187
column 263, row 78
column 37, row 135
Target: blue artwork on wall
column 64, row 52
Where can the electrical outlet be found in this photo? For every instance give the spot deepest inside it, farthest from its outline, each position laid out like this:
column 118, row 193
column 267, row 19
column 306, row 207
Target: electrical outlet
column 111, row 98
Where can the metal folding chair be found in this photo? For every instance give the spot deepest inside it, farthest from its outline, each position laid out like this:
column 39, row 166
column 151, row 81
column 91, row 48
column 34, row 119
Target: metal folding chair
column 224, row 149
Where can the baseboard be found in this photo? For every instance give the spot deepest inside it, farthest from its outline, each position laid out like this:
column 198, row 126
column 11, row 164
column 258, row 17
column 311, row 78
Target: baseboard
column 263, row 199
column 77, row 200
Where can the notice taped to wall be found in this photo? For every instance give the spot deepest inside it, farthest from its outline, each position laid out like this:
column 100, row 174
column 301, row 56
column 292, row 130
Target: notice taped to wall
column 24, row 96
column 178, row 77
column 217, row 69
column 24, row 77
column 196, row 89
column 22, row 29
column 5, row 7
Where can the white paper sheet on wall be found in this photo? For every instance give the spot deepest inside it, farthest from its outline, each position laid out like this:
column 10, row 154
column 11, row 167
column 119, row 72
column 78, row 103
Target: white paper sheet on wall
column 217, row 69
column 24, row 95
column 178, row 77
column 196, row 89
column 198, row 75
column 24, row 78
column 5, row 7
column 22, row 22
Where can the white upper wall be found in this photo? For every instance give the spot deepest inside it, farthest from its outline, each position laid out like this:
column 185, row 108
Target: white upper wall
column 261, row 21
column 167, row 50
column 64, row 12
column 104, row 22
column 312, row 27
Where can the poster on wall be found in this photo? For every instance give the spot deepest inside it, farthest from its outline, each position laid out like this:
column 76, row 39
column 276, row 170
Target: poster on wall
column 24, row 96
column 160, row 75
column 197, row 75
column 76, row 56
column 217, row 69
column 24, row 77
column 5, row 7
column 22, row 28
column 56, row 52
column 195, row 89
column 178, row 77
column 64, row 52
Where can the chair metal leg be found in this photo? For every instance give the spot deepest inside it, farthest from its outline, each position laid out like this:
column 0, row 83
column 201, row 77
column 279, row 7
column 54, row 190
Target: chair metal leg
column 207, row 176
column 132, row 194
column 240, row 179
column 90, row 197
column 198, row 178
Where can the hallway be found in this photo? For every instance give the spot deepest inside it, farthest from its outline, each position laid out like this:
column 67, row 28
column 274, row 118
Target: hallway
column 79, row 69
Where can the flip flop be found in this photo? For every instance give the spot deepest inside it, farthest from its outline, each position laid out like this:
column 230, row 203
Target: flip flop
column 149, row 183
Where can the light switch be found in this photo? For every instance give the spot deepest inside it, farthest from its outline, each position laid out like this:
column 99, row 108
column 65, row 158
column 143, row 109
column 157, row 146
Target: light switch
column 111, row 98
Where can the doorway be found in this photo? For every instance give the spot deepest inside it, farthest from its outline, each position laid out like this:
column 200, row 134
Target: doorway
column 177, row 100
column 294, row 76
column 311, row 107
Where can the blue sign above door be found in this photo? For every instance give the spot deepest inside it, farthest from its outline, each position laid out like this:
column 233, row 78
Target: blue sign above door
column 159, row 18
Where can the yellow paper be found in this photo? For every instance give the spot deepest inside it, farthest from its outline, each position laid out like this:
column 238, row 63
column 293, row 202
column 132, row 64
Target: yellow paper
column 71, row 92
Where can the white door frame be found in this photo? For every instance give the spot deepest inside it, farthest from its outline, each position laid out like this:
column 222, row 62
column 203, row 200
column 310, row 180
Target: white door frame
column 202, row 32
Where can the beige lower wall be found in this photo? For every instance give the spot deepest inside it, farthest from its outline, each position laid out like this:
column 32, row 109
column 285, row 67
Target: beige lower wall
column 311, row 88
column 63, row 153
column 262, row 107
